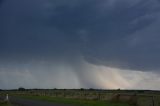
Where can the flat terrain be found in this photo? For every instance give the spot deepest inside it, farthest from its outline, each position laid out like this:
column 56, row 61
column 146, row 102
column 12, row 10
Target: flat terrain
column 29, row 102
column 81, row 97
column 50, row 101
column 16, row 101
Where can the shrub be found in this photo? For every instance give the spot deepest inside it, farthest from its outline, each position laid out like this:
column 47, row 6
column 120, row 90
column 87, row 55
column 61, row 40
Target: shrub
column 133, row 100
column 21, row 89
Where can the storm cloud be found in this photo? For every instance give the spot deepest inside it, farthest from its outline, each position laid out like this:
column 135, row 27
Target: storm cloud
column 73, row 38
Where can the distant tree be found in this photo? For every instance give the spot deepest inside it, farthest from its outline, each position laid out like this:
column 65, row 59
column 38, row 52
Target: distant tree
column 140, row 91
column 91, row 89
column 82, row 89
column 118, row 89
column 21, row 89
column 55, row 89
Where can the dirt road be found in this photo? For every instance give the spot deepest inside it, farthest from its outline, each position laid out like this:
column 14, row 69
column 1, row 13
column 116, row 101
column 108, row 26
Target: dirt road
column 27, row 102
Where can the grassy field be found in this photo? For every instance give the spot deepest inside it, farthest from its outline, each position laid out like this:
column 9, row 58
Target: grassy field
column 90, row 97
column 4, row 104
column 74, row 101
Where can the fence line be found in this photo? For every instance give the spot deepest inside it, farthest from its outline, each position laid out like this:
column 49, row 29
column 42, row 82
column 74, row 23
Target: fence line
column 132, row 98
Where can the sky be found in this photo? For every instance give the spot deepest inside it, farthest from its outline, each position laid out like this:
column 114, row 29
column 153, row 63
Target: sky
column 105, row 44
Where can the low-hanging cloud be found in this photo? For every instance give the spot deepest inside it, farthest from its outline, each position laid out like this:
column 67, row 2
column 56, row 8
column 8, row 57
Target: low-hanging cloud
column 111, row 33
column 69, row 76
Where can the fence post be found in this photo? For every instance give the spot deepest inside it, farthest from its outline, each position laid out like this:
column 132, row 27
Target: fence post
column 153, row 104
column 7, row 98
column 99, row 96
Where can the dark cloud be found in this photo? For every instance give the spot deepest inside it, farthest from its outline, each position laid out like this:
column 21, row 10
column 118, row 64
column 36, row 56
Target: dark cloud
column 99, row 31
column 1, row 1
column 79, row 43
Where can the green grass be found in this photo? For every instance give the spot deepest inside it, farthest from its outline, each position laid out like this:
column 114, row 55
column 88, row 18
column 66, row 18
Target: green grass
column 74, row 101
column 4, row 103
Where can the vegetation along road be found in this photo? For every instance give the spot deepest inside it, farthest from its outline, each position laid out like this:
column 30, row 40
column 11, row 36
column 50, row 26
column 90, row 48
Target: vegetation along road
column 50, row 101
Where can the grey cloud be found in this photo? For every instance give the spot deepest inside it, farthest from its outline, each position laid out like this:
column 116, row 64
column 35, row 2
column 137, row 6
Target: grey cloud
column 38, row 35
column 79, row 28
